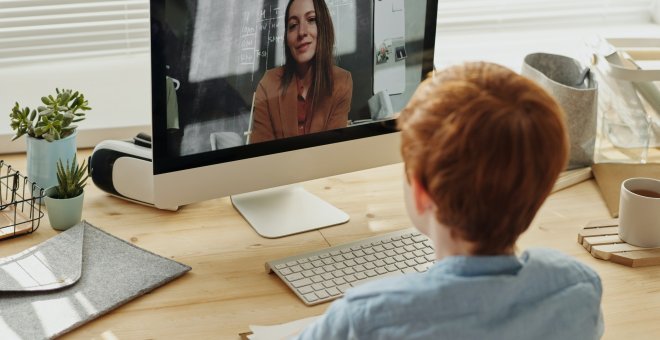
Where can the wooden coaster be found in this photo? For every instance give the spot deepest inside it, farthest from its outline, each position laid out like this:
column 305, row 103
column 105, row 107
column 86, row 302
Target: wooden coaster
column 601, row 240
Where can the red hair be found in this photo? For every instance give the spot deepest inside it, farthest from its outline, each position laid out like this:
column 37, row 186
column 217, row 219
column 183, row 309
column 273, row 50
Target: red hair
column 487, row 145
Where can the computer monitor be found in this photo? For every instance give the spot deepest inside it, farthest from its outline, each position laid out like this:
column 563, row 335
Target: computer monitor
column 242, row 103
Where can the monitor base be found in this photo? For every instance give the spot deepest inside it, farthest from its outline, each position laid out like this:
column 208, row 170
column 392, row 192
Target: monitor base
column 287, row 210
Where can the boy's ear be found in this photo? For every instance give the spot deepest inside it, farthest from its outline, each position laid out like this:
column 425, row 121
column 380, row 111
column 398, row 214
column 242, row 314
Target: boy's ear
column 423, row 201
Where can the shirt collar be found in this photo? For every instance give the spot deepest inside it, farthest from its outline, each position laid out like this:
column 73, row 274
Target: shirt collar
column 479, row 265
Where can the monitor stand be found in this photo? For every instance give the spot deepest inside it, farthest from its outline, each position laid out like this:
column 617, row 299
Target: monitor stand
column 286, row 210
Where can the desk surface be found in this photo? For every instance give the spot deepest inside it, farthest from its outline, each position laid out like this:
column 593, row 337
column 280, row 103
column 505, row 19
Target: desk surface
column 228, row 288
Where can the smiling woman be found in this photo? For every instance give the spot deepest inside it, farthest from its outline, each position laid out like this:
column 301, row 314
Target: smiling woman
column 321, row 97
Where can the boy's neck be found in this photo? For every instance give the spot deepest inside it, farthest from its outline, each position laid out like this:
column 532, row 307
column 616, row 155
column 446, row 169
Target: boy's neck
column 446, row 244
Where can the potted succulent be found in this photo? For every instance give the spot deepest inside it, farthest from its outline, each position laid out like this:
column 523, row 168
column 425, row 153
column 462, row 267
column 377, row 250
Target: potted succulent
column 51, row 132
column 64, row 202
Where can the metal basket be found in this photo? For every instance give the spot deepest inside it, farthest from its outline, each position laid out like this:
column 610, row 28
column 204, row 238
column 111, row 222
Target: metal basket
column 20, row 203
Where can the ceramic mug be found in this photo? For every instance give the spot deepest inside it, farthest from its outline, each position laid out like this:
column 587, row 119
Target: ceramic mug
column 639, row 212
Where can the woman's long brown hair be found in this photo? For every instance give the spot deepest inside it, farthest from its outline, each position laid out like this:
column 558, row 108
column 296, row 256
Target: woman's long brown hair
column 322, row 82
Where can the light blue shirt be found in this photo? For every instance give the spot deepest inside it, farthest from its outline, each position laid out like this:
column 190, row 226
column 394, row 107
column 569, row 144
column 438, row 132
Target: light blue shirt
column 541, row 294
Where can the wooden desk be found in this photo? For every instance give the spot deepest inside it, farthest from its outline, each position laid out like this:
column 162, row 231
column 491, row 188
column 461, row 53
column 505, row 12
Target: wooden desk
column 228, row 288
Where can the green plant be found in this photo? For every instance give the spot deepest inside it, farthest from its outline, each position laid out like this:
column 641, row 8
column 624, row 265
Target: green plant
column 70, row 179
column 53, row 121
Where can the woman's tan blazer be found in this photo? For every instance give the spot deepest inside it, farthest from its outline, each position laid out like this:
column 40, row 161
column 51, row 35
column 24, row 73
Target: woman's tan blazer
column 276, row 115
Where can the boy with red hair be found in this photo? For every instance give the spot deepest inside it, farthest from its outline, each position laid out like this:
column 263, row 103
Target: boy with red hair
column 482, row 148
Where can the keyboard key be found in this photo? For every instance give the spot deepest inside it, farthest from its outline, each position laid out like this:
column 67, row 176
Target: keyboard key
column 338, row 273
column 349, row 256
column 360, row 276
column 339, row 280
column 429, row 258
column 359, row 268
column 407, row 241
column 360, row 260
column 317, row 279
column 388, row 246
column 355, row 248
column 381, row 270
column 369, row 251
column 304, row 290
column 333, row 291
column 296, row 269
column 370, row 273
column 286, row 271
column 307, row 266
column 338, row 258
column 301, row 261
column 428, row 251
column 419, row 246
column 280, row 266
column 409, row 270
column 379, row 263
column 311, row 297
column 346, row 250
column 399, row 258
column 328, row 261
column 293, row 277
column 318, row 264
column 314, row 258
column 340, row 265
column 327, row 276
column 317, row 286
column 291, row 263
column 390, row 252
column 398, row 244
column 359, row 253
column 300, row 283
column 410, row 248
column 328, row 284
column 393, row 274
column 369, row 265
column 379, row 248
column 391, row 268
column 418, row 253
column 329, row 268
column 380, row 255
column 350, row 263
column 349, row 271
column 399, row 251
column 420, row 260
column 318, row 271
column 335, row 253
column 370, row 258
column 308, row 273
column 419, row 238
column 411, row 263
column 400, row 265
column 390, row 260
column 344, row 287
column 350, row 278
column 409, row 256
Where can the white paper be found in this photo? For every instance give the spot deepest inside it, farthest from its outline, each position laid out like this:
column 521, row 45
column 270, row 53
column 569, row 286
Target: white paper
column 282, row 331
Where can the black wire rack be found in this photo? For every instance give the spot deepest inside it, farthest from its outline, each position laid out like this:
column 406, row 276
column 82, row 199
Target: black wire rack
column 20, row 203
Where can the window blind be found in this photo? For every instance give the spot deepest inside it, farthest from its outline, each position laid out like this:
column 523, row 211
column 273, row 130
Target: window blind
column 488, row 15
column 38, row 30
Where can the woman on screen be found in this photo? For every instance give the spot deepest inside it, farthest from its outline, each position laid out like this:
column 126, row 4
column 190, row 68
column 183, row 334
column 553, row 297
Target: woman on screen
column 309, row 93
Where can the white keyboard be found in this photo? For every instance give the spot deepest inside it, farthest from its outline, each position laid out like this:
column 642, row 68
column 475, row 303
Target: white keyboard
column 324, row 275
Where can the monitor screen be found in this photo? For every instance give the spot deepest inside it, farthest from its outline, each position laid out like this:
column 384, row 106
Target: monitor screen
column 256, row 94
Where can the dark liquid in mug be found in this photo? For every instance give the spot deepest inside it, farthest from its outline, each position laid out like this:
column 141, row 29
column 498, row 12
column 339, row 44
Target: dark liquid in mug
column 647, row 193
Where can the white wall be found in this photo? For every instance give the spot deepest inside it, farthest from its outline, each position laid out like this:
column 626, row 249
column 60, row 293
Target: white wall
column 117, row 88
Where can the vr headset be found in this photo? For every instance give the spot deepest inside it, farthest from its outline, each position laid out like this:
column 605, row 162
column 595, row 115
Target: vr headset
column 124, row 168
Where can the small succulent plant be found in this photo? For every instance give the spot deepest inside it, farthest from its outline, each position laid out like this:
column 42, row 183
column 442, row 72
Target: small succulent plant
column 70, row 179
column 52, row 121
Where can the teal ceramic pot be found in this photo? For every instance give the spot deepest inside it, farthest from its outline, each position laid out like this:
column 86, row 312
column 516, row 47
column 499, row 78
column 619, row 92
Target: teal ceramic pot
column 42, row 157
column 63, row 213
